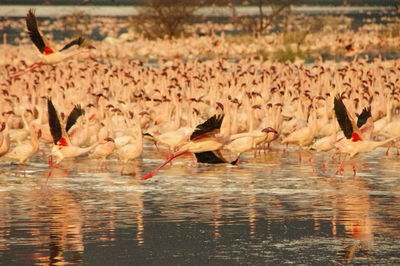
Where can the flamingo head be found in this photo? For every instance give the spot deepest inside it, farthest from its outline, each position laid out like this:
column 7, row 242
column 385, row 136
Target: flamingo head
column 220, row 106
column 269, row 130
column 39, row 133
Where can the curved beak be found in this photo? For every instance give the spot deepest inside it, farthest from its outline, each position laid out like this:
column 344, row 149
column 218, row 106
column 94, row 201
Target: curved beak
column 269, row 130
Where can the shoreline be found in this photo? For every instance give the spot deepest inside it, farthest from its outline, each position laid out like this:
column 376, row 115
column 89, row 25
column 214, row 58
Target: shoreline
column 122, row 11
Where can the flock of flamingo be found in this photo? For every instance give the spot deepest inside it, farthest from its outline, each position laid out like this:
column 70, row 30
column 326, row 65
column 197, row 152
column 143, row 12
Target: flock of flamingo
column 75, row 105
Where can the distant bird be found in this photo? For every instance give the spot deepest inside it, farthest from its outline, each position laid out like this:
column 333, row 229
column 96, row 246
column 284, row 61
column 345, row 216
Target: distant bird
column 49, row 55
column 205, row 142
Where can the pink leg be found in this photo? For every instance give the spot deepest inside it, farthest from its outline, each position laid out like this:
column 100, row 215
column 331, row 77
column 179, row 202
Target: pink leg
column 51, row 162
column 31, row 67
column 387, row 151
column 323, row 166
column 25, row 166
column 155, row 171
column 42, row 152
column 300, row 157
column 341, row 168
column 17, row 169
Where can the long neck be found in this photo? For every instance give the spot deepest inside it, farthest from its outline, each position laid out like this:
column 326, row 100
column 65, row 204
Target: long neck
column 34, row 138
column 87, row 149
column 226, row 123
column 389, row 108
column 65, row 55
column 234, row 125
column 377, row 144
column 139, row 135
column 251, row 119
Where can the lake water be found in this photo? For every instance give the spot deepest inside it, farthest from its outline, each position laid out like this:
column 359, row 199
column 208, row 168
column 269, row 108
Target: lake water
column 272, row 208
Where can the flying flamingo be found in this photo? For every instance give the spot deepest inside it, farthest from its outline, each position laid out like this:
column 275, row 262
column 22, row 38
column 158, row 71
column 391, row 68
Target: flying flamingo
column 354, row 141
column 205, row 142
column 63, row 147
column 49, row 55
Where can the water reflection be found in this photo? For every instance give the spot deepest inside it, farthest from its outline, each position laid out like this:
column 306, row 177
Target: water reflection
column 272, row 208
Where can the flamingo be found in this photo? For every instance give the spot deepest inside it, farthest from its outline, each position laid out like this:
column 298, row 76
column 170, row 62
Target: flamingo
column 102, row 151
column 27, row 149
column 327, row 143
column 5, row 139
column 172, row 139
column 205, row 142
column 354, row 141
column 63, row 147
column 243, row 142
column 49, row 55
column 133, row 148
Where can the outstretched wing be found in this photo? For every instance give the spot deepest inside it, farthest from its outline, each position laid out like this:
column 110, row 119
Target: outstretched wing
column 345, row 121
column 33, row 30
column 78, row 42
column 73, row 117
column 212, row 125
column 363, row 117
column 208, row 157
column 35, row 35
column 54, row 122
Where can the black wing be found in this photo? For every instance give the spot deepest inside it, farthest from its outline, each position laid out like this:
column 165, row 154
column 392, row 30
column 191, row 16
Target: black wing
column 208, row 157
column 73, row 117
column 78, row 42
column 363, row 117
column 343, row 117
column 34, row 34
column 54, row 122
column 209, row 125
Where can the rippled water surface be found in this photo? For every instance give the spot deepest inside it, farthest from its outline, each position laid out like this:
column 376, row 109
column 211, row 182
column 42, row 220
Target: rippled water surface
column 272, row 208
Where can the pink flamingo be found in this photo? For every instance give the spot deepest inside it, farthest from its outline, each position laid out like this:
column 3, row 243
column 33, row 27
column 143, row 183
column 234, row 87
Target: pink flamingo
column 49, row 55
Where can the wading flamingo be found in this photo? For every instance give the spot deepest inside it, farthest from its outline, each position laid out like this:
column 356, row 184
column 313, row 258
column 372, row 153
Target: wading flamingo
column 62, row 145
column 205, row 142
column 22, row 152
column 354, row 142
